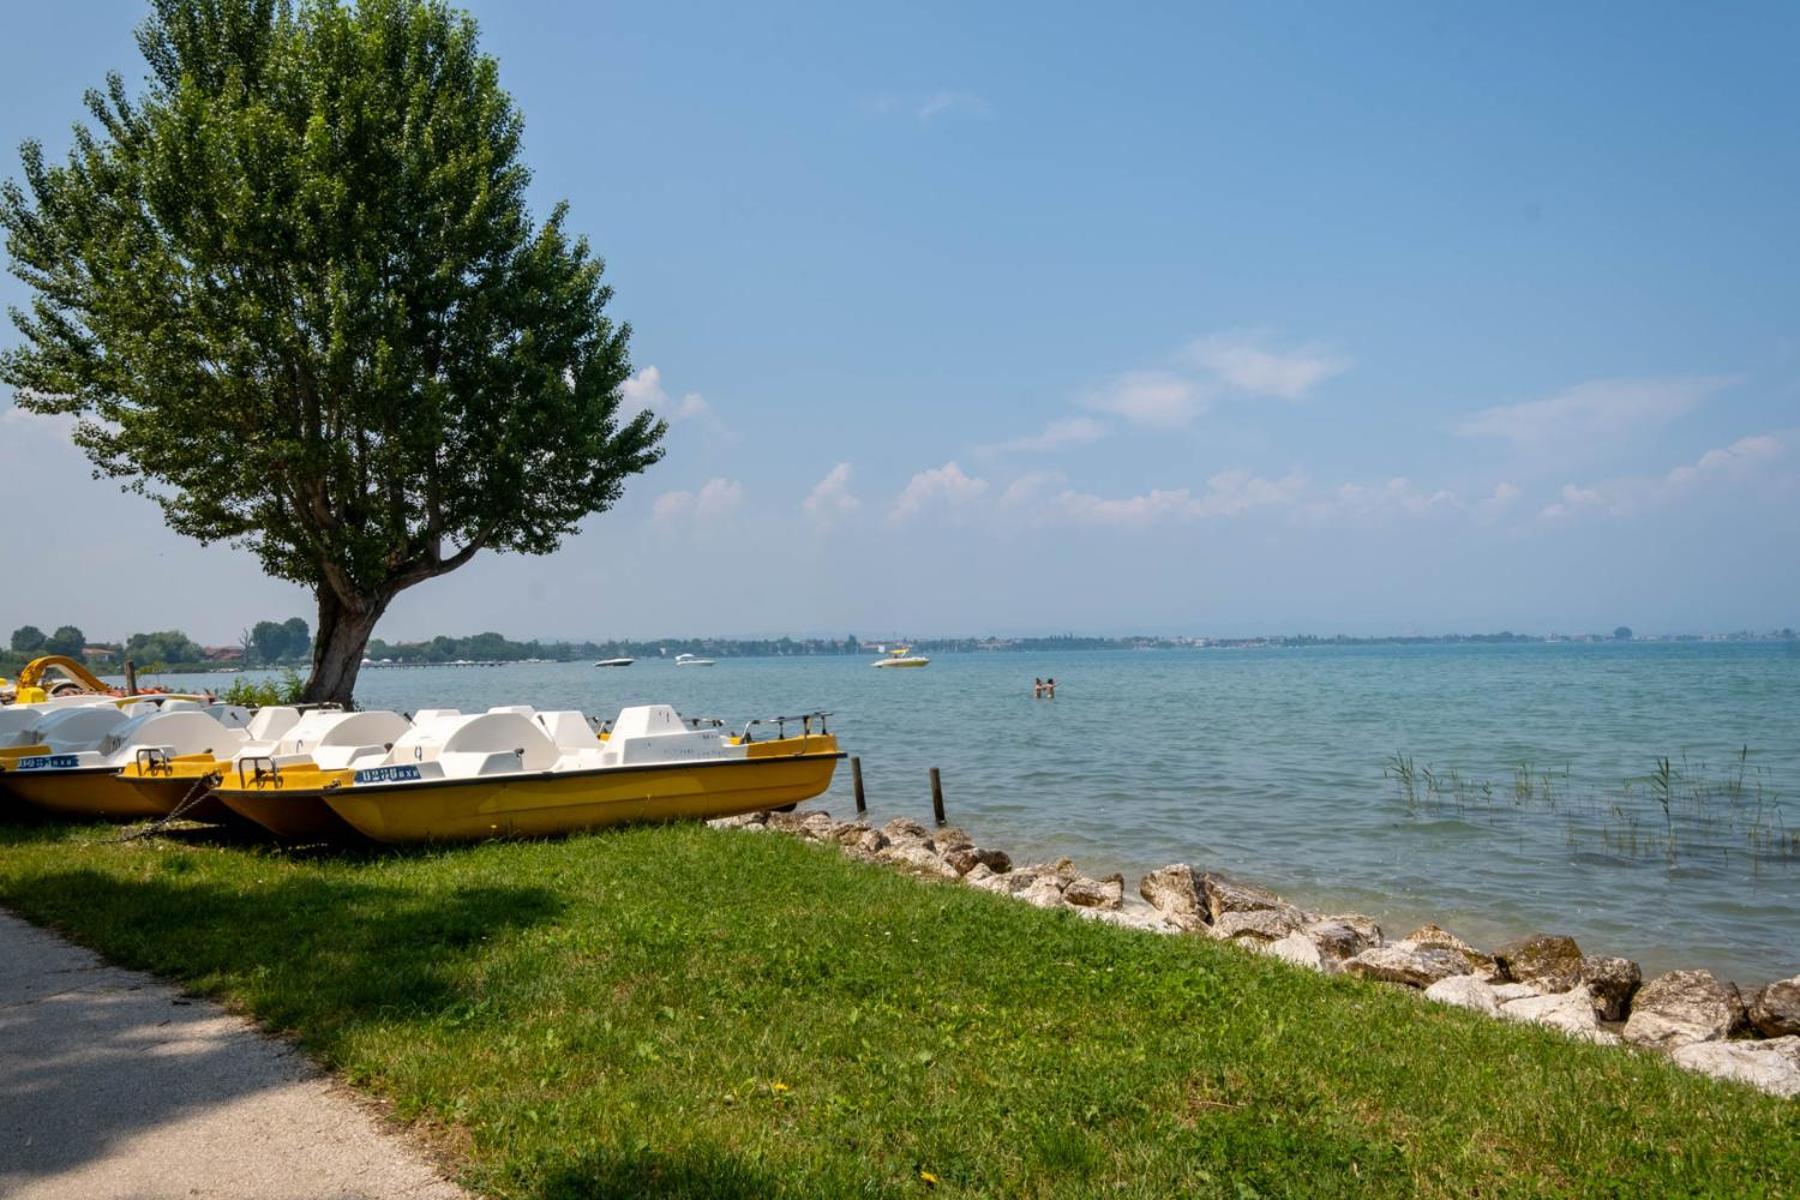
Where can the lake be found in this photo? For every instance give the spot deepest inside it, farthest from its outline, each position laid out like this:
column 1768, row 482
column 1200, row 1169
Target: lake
column 1496, row 790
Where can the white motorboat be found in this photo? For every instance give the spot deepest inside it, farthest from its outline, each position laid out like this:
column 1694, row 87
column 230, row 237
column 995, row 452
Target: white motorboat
column 615, row 662
column 689, row 660
column 902, row 656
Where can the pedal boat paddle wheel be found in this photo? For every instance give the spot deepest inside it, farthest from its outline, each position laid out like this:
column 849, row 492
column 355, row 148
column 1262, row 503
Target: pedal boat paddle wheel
column 516, row 772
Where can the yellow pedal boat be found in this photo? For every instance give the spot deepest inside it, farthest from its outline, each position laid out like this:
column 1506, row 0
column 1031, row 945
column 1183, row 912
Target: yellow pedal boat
column 128, row 773
column 514, row 772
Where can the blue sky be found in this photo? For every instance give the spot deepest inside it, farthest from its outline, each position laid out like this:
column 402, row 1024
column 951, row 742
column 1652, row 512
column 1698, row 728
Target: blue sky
column 1224, row 318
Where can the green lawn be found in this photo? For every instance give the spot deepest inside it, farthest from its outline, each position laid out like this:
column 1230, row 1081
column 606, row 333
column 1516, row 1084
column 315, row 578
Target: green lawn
column 684, row 1012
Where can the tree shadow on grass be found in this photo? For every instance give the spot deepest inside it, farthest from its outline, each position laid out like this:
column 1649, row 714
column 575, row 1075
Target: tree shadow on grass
column 693, row 1174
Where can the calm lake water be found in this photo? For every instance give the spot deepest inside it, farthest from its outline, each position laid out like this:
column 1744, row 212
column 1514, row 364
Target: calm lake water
column 1534, row 801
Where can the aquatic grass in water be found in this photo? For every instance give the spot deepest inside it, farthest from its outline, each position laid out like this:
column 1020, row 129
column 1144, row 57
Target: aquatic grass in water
column 1682, row 810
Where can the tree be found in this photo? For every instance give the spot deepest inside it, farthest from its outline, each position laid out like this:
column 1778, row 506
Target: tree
column 299, row 638
column 67, row 641
column 271, row 641
column 295, row 294
column 166, row 648
column 28, row 639
column 1622, row 634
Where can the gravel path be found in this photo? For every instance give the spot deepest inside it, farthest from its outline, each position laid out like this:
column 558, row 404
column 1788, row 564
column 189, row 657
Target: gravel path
column 115, row 1085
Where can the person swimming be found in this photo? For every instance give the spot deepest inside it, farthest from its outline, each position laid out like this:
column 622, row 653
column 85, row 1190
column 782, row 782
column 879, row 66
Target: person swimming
column 1037, row 688
column 1050, row 688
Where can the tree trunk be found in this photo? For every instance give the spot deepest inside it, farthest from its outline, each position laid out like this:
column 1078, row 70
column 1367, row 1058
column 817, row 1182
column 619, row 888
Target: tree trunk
column 338, row 647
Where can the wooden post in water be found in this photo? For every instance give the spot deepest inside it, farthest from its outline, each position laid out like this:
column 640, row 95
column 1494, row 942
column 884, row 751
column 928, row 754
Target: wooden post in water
column 856, row 785
column 937, row 796
column 130, row 678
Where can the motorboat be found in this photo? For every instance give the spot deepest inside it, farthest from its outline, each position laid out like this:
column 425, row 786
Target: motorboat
column 615, row 662
column 689, row 660
column 517, row 772
column 90, row 783
column 324, row 737
column 902, row 656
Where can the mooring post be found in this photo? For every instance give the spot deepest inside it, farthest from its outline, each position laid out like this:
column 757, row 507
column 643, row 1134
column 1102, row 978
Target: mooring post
column 937, row 796
column 856, row 785
column 130, row 678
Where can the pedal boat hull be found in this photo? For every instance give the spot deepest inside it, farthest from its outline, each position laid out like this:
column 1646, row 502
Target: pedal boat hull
column 94, row 793
column 773, row 774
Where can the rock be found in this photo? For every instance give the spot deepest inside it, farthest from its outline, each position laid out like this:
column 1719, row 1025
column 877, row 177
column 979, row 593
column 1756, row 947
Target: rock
column 905, row 829
column 1432, row 935
column 1465, row 991
column 1223, row 895
column 847, row 834
column 915, row 857
column 1263, row 925
column 1611, row 982
column 1740, row 1011
column 801, row 824
column 1773, row 1066
column 1572, row 1012
column 1339, row 938
column 1135, row 914
column 1046, row 891
column 1096, row 893
column 967, row 858
column 872, row 841
column 742, row 821
column 951, row 838
column 1549, row 961
column 1404, row 963
column 1062, row 870
column 1514, row 991
column 1296, row 948
column 989, row 881
column 1775, row 1010
column 975, row 874
column 1174, row 891
column 1679, row 1008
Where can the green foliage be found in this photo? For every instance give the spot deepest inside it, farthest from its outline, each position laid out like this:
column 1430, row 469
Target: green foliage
column 262, row 693
column 28, row 639
column 280, row 641
column 685, row 1012
column 67, row 641
column 168, row 648
column 295, row 293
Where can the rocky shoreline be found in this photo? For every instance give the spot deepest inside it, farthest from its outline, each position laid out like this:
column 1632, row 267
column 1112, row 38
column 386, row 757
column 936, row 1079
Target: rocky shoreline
column 1701, row 1022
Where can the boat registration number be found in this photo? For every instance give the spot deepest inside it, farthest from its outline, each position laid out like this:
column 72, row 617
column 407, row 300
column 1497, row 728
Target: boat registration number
column 48, row 762
column 388, row 775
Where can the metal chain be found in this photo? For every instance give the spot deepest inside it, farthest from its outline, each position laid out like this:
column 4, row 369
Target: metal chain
column 195, row 794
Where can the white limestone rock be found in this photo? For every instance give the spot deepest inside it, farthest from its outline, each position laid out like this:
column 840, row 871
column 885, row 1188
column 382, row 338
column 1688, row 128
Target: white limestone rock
column 1572, row 1012
column 1466, row 991
column 1295, row 948
column 1680, row 1008
column 1772, row 1065
column 1174, row 891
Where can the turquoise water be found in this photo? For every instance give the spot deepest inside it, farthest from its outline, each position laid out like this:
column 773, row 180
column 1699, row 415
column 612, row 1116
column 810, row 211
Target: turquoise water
column 1276, row 765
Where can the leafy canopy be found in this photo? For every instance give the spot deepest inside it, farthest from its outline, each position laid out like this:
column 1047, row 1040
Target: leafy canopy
column 294, row 292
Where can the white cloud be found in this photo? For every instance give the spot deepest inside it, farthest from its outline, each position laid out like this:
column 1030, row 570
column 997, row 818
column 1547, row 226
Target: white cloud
column 1737, row 463
column 1246, row 361
column 945, row 487
column 1397, row 496
column 1059, row 434
column 717, row 498
column 1029, row 488
column 1228, row 493
column 1602, row 410
column 1737, row 459
column 1154, row 399
column 831, row 498
column 645, row 390
column 1499, row 501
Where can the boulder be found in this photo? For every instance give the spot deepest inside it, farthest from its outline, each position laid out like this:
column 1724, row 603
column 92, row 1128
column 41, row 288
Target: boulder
column 975, row 874
column 1678, row 1009
column 1611, row 982
column 849, row 833
column 741, row 821
column 801, row 824
column 967, row 858
column 1465, row 991
column 1572, row 1012
column 1174, row 891
column 1263, row 925
column 1296, row 948
column 1224, row 895
column 1405, row 963
column 951, row 838
column 916, row 857
column 1549, row 961
column 872, row 841
column 1134, row 914
column 1773, row 1066
column 1045, row 891
column 905, row 829
column 1010, row 884
column 1339, row 938
column 1514, row 991
column 1432, row 935
column 1775, row 1010
column 1096, row 893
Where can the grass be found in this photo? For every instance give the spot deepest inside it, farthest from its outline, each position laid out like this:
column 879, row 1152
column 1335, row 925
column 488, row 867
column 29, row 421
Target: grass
column 685, row 1012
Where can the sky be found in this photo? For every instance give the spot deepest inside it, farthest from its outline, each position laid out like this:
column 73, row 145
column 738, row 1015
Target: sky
column 1025, row 319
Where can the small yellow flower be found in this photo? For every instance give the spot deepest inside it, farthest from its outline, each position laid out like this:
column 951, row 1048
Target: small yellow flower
column 929, row 1179
column 778, row 1087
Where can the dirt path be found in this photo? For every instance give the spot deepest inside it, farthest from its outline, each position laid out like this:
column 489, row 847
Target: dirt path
column 114, row 1085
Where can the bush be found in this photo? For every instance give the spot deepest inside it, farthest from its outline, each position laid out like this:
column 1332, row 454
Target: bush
column 263, row 693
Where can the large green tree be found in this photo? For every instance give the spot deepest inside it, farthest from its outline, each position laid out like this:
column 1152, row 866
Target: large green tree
column 294, row 292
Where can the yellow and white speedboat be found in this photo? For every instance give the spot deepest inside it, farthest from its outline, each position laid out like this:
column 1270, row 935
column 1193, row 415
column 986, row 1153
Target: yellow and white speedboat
column 327, row 738
column 515, row 772
column 902, row 656
column 91, row 781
